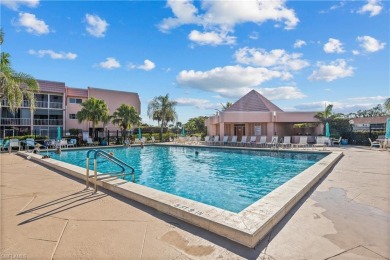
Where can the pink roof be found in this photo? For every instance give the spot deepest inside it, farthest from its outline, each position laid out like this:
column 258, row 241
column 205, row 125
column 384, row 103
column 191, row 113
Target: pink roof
column 51, row 86
column 77, row 92
column 253, row 101
column 370, row 120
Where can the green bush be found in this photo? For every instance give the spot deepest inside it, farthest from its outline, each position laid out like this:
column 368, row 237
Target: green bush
column 361, row 137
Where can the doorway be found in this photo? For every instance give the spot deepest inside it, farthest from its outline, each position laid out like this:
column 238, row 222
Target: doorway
column 239, row 131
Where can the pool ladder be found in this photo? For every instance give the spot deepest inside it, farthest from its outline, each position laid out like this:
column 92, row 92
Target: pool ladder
column 110, row 157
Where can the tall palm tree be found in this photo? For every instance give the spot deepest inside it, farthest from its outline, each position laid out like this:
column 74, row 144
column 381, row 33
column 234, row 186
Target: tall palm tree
column 95, row 111
column 125, row 116
column 327, row 113
column 226, row 106
column 15, row 85
column 162, row 109
column 387, row 105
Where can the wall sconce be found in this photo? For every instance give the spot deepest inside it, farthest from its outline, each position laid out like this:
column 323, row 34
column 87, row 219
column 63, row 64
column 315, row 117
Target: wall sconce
column 274, row 113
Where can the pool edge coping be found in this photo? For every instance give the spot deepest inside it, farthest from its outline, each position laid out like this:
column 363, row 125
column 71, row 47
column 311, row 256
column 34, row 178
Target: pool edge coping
column 247, row 227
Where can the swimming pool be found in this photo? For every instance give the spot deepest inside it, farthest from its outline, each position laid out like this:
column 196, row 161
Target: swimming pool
column 228, row 179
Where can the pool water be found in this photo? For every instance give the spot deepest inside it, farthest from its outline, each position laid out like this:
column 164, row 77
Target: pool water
column 228, row 179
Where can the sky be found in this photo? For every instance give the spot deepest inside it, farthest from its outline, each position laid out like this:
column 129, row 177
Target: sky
column 302, row 55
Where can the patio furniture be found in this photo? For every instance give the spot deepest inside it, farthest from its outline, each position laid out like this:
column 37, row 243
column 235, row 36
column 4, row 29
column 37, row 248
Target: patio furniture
column 90, row 141
column 243, row 141
column 252, row 141
column 274, row 141
column 224, row 140
column 72, row 143
column 336, row 141
column 286, row 142
column 374, row 143
column 233, row 141
column 13, row 143
column 320, row 142
column 302, row 142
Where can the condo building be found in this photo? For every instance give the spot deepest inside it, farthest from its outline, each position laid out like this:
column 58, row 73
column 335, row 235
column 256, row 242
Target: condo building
column 56, row 106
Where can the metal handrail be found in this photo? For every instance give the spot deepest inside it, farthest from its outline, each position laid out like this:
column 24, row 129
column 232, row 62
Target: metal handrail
column 109, row 157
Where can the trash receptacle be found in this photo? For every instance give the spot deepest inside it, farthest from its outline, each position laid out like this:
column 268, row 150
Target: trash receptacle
column 344, row 141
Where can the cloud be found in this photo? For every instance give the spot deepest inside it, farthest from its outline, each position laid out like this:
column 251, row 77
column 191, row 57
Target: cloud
column 278, row 58
column 15, row 4
column 235, row 81
column 32, row 24
column 333, row 46
column 110, row 63
column 299, row 43
column 54, row 55
column 355, row 52
column 198, row 103
column 329, row 72
column 254, row 35
column 370, row 44
column 375, row 99
column 211, row 38
column 96, row 25
column 374, row 7
column 341, row 106
column 148, row 65
column 223, row 16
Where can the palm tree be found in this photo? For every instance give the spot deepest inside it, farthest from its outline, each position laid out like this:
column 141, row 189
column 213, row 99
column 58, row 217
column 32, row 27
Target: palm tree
column 323, row 116
column 125, row 116
column 95, row 111
column 386, row 105
column 15, row 85
column 162, row 109
column 226, row 106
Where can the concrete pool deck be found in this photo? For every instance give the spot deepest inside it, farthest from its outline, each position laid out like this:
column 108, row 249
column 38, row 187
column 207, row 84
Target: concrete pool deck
column 45, row 214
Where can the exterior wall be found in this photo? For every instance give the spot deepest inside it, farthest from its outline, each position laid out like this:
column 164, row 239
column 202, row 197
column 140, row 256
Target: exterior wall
column 113, row 100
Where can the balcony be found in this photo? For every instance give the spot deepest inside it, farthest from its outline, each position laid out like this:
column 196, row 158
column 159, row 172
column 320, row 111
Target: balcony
column 46, row 104
column 16, row 121
column 25, row 103
column 56, row 122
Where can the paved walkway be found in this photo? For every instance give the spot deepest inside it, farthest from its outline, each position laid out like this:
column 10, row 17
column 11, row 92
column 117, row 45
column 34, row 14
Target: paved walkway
column 47, row 215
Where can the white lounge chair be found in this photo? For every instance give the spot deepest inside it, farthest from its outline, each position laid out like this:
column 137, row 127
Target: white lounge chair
column 30, row 143
column 286, row 142
column 243, row 141
column 262, row 141
column 320, row 142
column 72, row 143
column 224, row 140
column 252, row 140
column 63, row 143
column 336, row 141
column 13, row 143
column 302, row 142
column 90, row 141
column 233, row 141
column 216, row 140
column 274, row 141
column 374, row 144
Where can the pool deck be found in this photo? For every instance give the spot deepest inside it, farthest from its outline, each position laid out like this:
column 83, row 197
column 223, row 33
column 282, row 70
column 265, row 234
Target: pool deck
column 48, row 215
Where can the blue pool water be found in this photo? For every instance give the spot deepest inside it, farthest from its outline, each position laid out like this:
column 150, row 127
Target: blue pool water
column 228, row 179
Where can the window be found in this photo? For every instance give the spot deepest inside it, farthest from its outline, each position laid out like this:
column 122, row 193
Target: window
column 75, row 100
column 72, row 116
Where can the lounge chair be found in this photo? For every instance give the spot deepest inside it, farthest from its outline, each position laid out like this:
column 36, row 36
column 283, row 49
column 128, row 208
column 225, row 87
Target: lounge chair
column 252, row 141
column 286, row 142
column 13, row 143
column 90, row 141
column 243, row 141
column 72, row 143
column 262, row 141
column 320, row 142
column 30, row 143
column 224, row 140
column 64, row 143
column 336, row 141
column 207, row 139
column 302, row 142
column 4, row 144
column 374, row 143
column 233, row 141
column 274, row 141
column 216, row 140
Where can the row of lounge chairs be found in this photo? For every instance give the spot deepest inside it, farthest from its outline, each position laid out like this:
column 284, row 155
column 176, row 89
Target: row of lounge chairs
column 252, row 141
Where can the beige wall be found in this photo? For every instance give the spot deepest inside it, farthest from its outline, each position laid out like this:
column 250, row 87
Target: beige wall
column 114, row 99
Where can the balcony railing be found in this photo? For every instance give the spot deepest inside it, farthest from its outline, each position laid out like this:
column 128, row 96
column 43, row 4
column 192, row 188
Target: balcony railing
column 55, row 105
column 48, row 122
column 25, row 103
column 46, row 104
column 15, row 121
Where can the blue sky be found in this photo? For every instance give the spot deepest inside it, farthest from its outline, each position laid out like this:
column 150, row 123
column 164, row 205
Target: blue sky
column 299, row 54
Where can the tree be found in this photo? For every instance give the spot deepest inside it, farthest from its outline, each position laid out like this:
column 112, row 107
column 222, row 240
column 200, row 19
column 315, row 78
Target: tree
column 372, row 112
column 386, row 105
column 162, row 109
column 196, row 125
column 125, row 116
column 15, row 85
column 226, row 106
column 95, row 111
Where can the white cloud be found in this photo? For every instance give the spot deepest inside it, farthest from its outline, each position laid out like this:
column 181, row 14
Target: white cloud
column 333, row 46
column 211, row 38
column 54, row 55
column 278, row 58
column 110, row 63
column 32, row 24
column 370, row 44
column 198, row 103
column 374, row 7
column 223, row 16
column 299, row 44
column 341, row 106
column 355, row 52
column 235, row 81
column 285, row 92
column 329, row 72
column 148, row 65
column 15, row 4
column 96, row 26
column 377, row 99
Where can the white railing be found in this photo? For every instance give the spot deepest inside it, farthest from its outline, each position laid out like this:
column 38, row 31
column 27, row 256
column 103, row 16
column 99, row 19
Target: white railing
column 55, row 105
column 48, row 121
column 15, row 121
column 43, row 104
column 25, row 103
